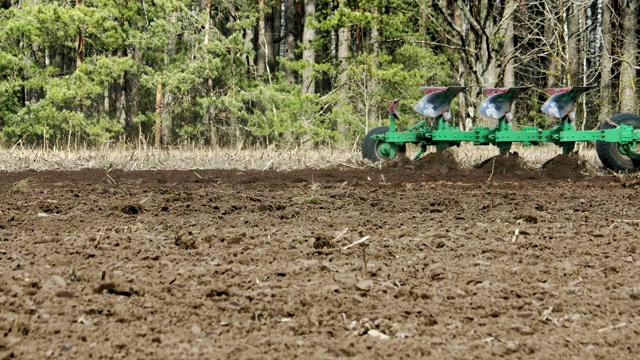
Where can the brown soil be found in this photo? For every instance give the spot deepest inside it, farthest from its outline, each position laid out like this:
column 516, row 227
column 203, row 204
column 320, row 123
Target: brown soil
column 565, row 167
column 249, row 264
column 510, row 165
column 439, row 163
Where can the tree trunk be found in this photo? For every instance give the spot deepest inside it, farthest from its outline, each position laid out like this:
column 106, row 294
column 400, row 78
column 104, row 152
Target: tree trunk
column 587, row 55
column 483, row 27
column 269, row 37
column 344, row 39
column 248, row 48
column 207, row 30
column 277, row 19
column 290, row 38
column 308, row 52
column 573, row 63
column 477, row 28
column 467, row 113
column 261, row 54
column 277, row 35
column 628, row 55
column 422, row 29
column 167, row 119
column 167, row 101
column 106, row 98
column 80, row 45
column 606, row 60
column 118, row 94
column 508, row 48
column 372, row 111
column 208, row 116
column 158, row 127
column 121, row 101
column 132, row 85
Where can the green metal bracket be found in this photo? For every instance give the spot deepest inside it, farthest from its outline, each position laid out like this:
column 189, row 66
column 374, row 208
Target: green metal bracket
column 627, row 149
column 504, row 126
column 392, row 123
column 420, row 152
column 444, row 136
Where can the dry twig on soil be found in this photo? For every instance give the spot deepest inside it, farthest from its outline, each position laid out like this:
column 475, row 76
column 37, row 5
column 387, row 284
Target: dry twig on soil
column 611, row 327
column 493, row 166
column 515, row 235
column 357, row 242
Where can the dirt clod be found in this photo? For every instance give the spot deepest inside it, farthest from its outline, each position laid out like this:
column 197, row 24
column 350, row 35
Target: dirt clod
column 64, row 294
column 503, row 164
column 132, row 209
column 323, row 242
column 186, row 241
column 441, row 163
column 565, row 167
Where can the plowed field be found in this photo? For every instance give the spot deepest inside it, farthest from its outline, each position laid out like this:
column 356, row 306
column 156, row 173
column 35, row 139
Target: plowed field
column 225, row 264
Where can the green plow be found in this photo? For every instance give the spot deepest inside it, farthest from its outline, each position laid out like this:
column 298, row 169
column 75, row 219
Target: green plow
column 616, row 139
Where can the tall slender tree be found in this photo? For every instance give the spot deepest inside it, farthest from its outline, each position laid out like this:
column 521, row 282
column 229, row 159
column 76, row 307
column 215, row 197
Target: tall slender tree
column 308, row 51
column 290, row 37
column 606, row 59
column 629, row 55
column 509, row 45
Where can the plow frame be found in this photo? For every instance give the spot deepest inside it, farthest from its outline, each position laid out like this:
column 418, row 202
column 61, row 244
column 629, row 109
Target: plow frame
column 443, row 135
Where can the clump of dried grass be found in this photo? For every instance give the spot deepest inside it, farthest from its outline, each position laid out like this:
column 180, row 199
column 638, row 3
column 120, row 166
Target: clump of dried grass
column 177, row 159
column 18, row 159
column 21, row 186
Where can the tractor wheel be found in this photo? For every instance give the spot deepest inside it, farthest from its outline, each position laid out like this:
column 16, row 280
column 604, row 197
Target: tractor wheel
column 377, row 150
column 609, row 152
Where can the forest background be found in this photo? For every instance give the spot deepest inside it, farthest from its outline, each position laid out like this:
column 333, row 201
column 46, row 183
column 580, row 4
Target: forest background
column 290, row 73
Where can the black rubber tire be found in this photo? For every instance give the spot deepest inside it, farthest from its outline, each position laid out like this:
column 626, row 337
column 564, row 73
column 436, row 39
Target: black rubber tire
column 608, row 152
column 370, row 146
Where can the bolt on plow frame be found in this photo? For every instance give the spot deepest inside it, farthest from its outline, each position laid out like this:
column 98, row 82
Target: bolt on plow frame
column 616, row 139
